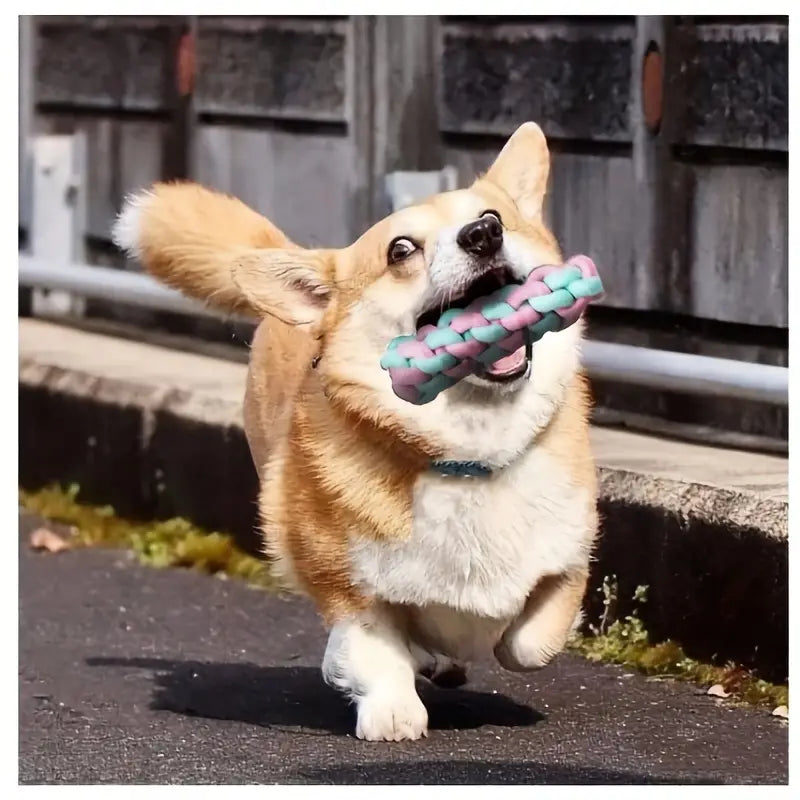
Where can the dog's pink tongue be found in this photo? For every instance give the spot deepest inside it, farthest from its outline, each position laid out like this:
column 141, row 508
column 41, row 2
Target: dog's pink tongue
column 508, row 364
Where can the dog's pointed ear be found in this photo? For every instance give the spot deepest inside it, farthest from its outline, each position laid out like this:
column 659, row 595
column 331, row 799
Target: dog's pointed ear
column 293, row 285
column 522, row 169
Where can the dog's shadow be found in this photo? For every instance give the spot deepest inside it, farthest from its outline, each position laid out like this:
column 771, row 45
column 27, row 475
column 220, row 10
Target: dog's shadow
column 296, row 697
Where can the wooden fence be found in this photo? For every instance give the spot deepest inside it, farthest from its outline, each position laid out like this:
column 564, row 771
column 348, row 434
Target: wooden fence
column 669, row 139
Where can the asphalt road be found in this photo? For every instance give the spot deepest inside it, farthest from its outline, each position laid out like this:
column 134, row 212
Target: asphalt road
column 135, row 675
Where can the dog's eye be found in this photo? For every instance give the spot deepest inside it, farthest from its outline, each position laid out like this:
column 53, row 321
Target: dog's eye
column 490, row 212
column 400, row 249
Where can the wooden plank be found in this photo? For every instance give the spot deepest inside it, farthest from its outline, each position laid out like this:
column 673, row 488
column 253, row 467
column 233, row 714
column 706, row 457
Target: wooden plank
column 513, row 19
column 405, row 93
column 103, row 62
column 589, row 206
column 736, row 263
column 658, row 216
column 470, row 161
column 731, row 19
column 739, row 245
column 572, row 78
column 738, row 80
column 361, row 179
column 26, row 101
column 179, row 137
column 272, row 67
column 131, row 159
column 297, row 180
column 406, row 127
column 122, row 156
column 392, row 67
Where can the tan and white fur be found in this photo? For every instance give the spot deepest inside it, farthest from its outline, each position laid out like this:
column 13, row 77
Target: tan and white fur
column 413, row 571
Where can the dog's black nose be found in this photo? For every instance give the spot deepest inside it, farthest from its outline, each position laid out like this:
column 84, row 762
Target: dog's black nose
column 484, row 237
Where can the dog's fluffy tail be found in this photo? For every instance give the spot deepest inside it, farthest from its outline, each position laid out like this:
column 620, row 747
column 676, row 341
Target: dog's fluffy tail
column 190, row 238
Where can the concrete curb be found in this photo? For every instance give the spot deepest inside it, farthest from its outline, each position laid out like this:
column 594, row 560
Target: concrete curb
column 697, row 502
column 158, row 433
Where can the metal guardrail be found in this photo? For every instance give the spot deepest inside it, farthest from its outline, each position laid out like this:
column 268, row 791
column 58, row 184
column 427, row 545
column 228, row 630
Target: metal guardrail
column 120, row 286
column 660, row 369
column 686, row 372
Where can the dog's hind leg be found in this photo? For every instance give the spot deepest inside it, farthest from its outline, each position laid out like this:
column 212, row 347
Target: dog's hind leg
column 449, row 675
column 368, row 658
column 439, row 669
column 540, row 632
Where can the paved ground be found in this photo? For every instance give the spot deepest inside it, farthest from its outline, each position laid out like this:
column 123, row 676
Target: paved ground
column 134, row 675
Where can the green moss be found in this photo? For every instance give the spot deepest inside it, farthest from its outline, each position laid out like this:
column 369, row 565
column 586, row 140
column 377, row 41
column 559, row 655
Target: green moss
column 170, row 543
column 626, row 642
column 178, row 543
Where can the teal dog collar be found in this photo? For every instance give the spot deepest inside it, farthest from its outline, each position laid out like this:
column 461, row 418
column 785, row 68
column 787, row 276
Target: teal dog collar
column 464, row 469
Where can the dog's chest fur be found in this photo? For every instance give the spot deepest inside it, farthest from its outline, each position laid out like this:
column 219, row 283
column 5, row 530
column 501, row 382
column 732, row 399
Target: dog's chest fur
column 479, row 545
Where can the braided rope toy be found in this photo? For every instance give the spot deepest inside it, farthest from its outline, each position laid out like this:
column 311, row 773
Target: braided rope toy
column 435, row 358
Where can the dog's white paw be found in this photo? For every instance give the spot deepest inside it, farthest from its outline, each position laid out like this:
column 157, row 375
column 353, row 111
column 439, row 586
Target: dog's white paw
column 387, row 718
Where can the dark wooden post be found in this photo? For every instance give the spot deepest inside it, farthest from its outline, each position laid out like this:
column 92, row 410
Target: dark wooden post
column 658, row 225
column 179, row 139
column 393, row 65
column 359, row 113
column 406, row 119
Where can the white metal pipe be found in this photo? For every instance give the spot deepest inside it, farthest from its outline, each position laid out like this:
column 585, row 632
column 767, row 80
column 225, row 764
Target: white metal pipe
column 641, row 366
column 103, row 283
column 686, row 372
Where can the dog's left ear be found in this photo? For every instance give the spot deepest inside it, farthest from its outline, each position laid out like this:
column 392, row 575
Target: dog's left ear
column 522, row 169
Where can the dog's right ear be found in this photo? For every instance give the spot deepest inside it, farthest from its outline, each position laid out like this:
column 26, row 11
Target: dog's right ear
column 218, row 250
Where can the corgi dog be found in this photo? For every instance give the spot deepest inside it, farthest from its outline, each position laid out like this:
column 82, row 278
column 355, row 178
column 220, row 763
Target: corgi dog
column 372, row 506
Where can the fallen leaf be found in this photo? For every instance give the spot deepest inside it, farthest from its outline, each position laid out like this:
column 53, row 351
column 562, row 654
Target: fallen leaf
column 45, row 539
column 734, row 678
column 717, row 690
column 781, row 711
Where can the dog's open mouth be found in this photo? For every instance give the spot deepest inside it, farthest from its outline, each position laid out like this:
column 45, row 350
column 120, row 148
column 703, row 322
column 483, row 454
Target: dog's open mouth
column 505, row 369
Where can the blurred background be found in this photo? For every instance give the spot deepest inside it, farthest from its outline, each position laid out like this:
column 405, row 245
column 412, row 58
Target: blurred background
column 669, row 142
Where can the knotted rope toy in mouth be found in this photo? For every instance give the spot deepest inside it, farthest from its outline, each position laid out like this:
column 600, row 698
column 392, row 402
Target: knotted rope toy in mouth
column 491, row 328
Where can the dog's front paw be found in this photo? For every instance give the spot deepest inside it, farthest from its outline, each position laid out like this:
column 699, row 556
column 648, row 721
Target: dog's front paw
column 384, row 717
